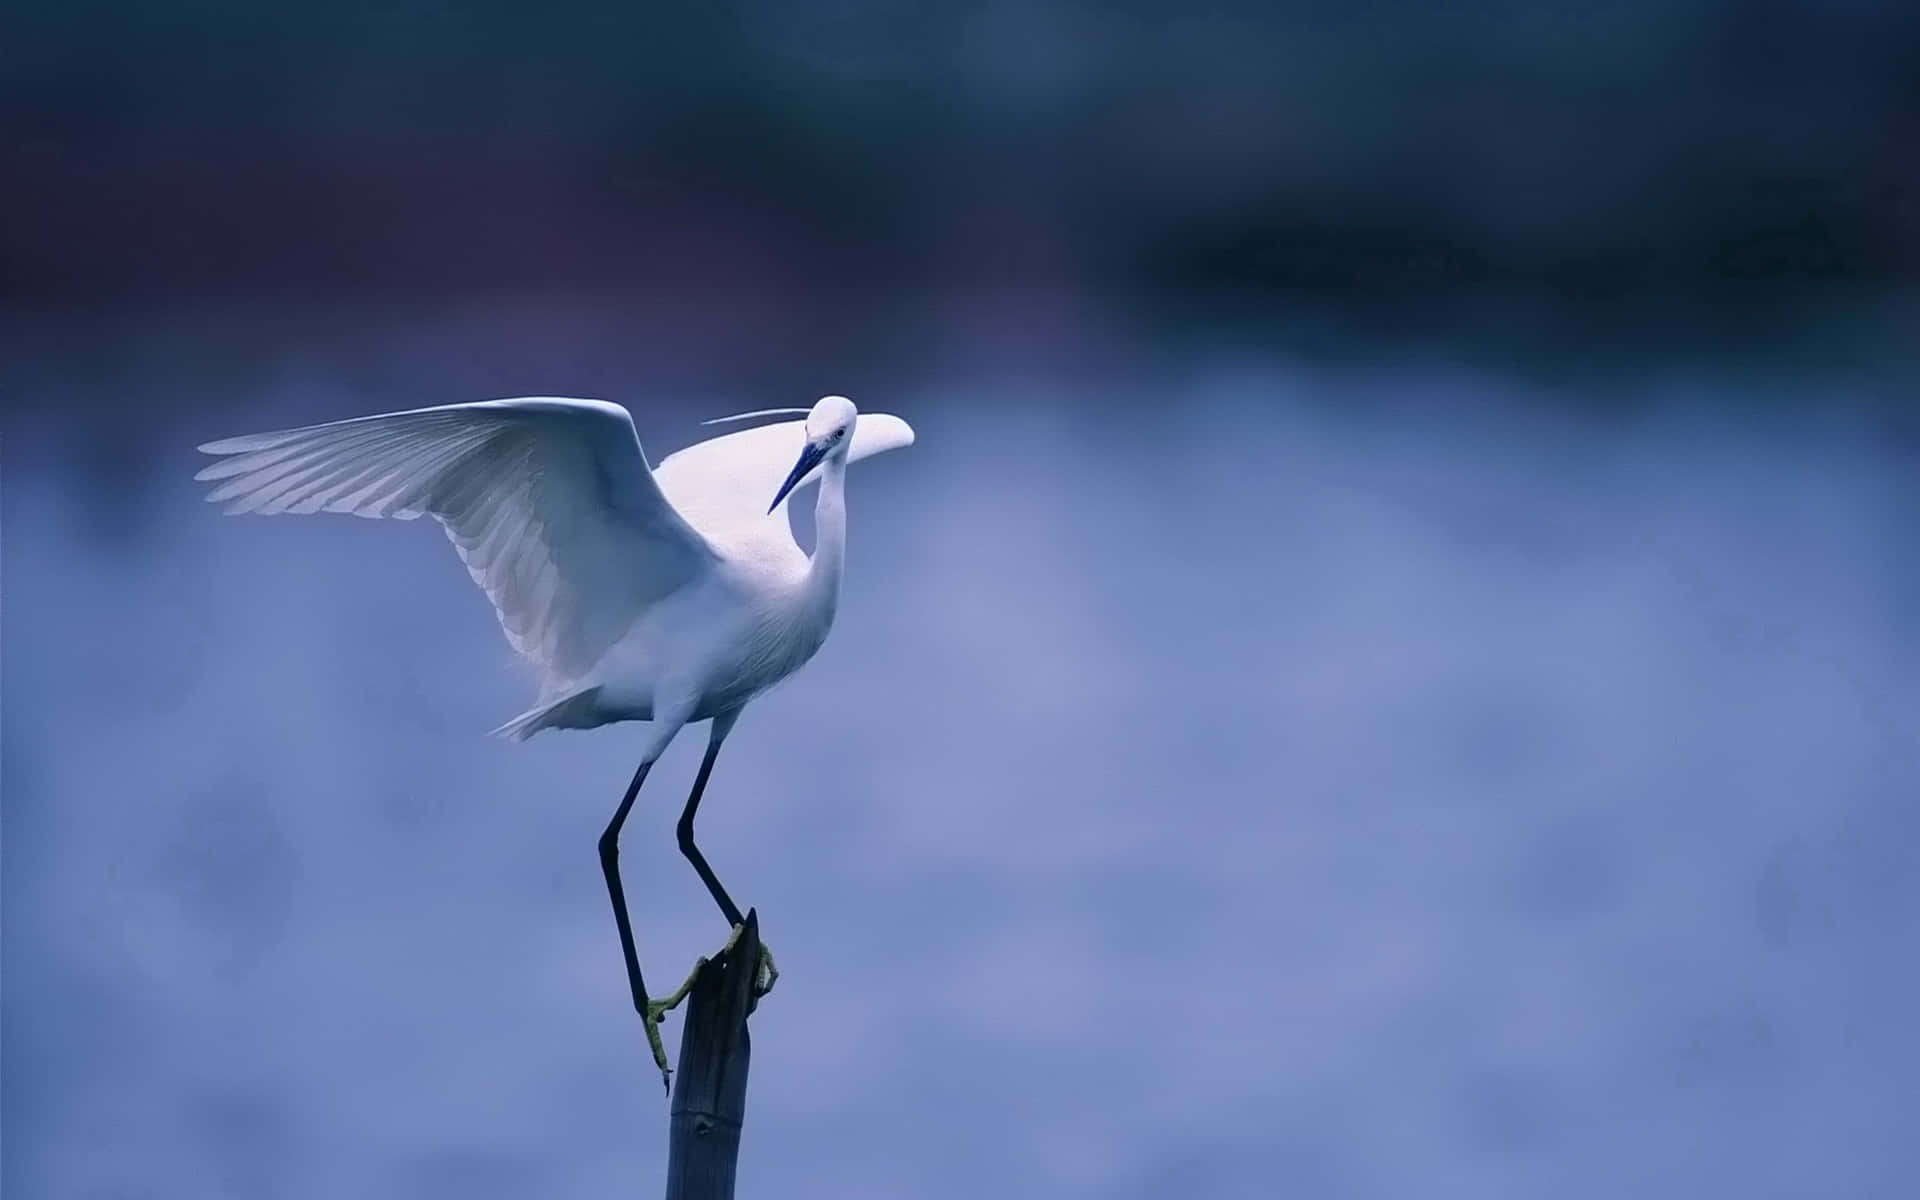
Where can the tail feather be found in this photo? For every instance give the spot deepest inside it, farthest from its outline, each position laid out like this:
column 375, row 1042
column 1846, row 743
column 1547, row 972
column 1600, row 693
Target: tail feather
column 575, row 710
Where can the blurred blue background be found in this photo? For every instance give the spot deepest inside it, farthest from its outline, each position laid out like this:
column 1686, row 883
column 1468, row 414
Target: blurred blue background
column 1391, row 669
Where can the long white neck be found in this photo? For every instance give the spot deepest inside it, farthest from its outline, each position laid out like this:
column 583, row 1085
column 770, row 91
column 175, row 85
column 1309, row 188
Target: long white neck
column 830, row 538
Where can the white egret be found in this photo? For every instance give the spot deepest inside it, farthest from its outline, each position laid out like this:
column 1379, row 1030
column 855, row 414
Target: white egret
column 664, row 595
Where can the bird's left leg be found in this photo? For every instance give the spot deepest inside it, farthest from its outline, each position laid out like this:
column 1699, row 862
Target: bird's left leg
column 650, row 1011
column 722, row 725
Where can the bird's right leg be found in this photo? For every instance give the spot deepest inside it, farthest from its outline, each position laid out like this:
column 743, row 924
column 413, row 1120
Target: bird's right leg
column 767, row 973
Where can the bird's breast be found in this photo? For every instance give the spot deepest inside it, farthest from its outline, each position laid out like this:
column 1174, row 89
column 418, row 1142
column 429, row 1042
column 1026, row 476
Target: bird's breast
column 718, row 645
column 779, row 639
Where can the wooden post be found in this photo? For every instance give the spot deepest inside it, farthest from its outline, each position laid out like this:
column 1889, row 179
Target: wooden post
column 710, row 1086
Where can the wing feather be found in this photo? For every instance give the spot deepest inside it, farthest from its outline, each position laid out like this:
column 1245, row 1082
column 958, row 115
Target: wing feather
column 549, row 502
column 722, row 485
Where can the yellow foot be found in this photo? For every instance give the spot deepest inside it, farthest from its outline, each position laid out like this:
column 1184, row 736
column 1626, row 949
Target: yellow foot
column 657, row 1010
column 768, row 975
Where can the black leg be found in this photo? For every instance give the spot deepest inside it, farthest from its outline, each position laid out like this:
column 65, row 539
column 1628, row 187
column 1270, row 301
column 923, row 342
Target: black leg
column 721, row 726
column 610, row 867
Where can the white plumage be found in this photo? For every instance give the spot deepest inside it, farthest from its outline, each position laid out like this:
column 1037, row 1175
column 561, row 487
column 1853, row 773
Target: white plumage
column 631, row 591
column 717, row 484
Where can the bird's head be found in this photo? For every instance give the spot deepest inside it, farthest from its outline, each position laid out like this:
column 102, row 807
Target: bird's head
column 829, row 433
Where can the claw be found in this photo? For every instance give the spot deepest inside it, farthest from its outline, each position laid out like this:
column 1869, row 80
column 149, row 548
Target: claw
column 657, row 1010
column 651, row 1019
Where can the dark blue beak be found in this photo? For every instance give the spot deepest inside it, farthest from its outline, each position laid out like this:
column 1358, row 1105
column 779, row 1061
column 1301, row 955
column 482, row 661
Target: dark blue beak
column 810, row 456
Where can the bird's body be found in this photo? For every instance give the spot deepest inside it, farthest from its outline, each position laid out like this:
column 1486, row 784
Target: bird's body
column 636, row 594
column 707, row 648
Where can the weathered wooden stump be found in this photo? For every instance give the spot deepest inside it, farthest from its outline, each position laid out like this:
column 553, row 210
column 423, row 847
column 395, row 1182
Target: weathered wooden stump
column 710, row 1085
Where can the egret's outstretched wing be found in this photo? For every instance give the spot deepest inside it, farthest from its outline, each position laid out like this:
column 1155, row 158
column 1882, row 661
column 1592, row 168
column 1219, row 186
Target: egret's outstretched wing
column 549, row 502
column 722, row 485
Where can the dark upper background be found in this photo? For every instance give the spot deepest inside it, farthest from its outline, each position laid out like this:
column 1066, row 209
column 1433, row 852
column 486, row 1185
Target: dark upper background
column 1391, row 668
column 1752, row 162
